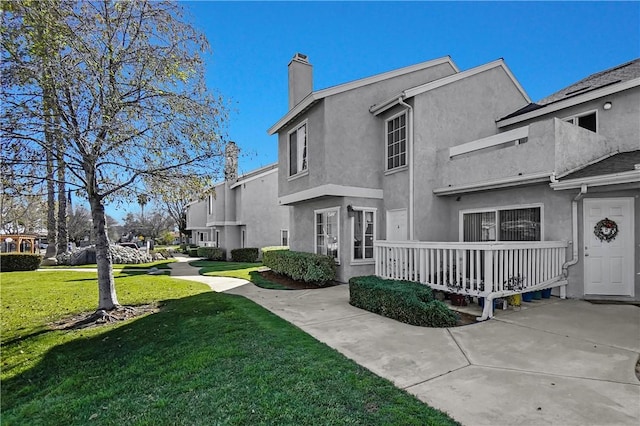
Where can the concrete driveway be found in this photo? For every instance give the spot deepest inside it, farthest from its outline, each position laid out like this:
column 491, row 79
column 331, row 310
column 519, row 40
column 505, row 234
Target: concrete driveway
column 558, row 362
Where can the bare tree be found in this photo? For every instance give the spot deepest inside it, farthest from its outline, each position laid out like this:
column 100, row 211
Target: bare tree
column 130, row 103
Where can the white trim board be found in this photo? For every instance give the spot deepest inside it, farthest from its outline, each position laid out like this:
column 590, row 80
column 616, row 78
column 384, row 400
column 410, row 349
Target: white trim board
column 632, row 176
column 495, row 184
column 331, row 190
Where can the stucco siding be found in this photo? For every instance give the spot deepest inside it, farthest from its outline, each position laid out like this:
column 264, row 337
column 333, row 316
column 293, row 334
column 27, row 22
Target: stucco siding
column 345, row 141
column 261, row 215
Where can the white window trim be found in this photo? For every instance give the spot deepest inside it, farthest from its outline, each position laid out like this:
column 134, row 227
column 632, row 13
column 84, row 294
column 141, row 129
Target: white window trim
column 315, row 229
column 461, row 214
column 387, row 170
column 355, row 261
column 293, row 130
column 571, row 118
column 282, row 231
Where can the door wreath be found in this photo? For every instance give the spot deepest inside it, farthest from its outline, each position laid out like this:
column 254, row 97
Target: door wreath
column 606, row 230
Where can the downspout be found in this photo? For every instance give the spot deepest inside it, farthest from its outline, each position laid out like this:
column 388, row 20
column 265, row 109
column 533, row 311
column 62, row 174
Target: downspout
column 411, row 196
column 574, row 241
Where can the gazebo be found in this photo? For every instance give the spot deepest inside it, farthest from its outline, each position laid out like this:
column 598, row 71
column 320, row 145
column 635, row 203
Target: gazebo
column 20, row 243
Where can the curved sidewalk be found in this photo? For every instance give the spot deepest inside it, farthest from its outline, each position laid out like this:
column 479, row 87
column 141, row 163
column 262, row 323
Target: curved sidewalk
column 182, row 270
column 565, row 362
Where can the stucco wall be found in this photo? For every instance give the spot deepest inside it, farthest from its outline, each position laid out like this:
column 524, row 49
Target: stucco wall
column 557, row 219
column 447, row 116
column 303, row 232
column 197, row 214
column 260, row 212
column 346, row 141
column 620, row 124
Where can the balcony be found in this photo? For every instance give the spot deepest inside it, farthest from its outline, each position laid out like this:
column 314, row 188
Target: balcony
column 527, row 154
column 488, row 270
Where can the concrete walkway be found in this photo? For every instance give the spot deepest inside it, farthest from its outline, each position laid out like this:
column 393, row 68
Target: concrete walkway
column 563, row 362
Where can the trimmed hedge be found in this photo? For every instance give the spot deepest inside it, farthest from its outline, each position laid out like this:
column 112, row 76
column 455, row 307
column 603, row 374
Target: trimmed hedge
column 192, row 252
column 308, row 267
column 247, row 254
column 10, row 262
column 405, row 301
column 211, row 253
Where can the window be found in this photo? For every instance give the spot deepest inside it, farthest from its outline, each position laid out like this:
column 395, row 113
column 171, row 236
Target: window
column 298, row 150
column 363, row 226
column 506, row 224
column 586, row 121
column 217, row 240
column 397, row 141
column 284, row 237
column 210, row 204
column 243, row 238
column 327, row 225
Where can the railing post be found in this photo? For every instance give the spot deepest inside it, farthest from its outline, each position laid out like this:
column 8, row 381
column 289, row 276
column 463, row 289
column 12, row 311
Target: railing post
column 488, row 271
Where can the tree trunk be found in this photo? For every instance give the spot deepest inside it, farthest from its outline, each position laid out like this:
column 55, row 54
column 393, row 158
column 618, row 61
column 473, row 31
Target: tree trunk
column 51, row 188
column 63, row 234
column 106, row 284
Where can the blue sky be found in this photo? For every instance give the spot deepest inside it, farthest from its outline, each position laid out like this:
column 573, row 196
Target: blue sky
column 547, row 45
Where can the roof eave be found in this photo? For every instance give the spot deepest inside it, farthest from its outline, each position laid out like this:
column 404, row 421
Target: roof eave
column 411, row 92
column 576, row 100
column 631, row 176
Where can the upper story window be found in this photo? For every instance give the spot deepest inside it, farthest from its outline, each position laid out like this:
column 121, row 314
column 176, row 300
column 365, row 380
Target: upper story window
column 503, row 224
column 210, row 204
column 587, row 120
column 327, row 225
column 298, row 152
column 396, row 131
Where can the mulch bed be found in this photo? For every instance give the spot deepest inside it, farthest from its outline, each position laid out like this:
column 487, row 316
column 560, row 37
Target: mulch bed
column 98, row 318
column 290, row 283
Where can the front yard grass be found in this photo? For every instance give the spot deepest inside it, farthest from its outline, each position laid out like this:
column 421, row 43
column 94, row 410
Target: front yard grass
column 244, row 270
column 204, row 358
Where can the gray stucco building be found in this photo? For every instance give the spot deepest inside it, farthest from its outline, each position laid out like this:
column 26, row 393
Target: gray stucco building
column 430, row 154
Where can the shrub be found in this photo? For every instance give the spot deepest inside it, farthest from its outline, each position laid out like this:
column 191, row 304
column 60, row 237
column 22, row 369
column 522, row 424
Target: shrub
column 211, row 253
column 311, row 268
column 272, row 248
column 192, row 252
column 19, row 262
column 248, row 254
column 405, row 301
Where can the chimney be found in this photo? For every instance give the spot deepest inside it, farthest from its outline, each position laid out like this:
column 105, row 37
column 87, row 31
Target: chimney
column 300, row 79
column 231, row 162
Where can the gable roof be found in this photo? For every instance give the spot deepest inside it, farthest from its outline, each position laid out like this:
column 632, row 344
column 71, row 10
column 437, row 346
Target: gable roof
column 409, row 93
column 318, row 95
column 600, row 84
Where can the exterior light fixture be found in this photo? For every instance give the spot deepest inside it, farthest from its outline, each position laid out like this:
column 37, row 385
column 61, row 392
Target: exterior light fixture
column 607, row 106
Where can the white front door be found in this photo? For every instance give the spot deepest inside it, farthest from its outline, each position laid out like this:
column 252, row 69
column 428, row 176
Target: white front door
column 608, row 260
column 397, row 225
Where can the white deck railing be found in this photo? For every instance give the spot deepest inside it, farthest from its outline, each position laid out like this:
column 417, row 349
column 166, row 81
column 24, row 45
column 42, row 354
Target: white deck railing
column 487, row 270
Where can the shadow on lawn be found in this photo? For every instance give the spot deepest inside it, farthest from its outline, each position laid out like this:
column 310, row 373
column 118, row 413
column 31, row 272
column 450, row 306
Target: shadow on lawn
column 211, row 358
column 130, row 354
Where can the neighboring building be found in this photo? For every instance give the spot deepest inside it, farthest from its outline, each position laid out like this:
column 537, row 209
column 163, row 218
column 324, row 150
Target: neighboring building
column 429, row 153
column 242, row 211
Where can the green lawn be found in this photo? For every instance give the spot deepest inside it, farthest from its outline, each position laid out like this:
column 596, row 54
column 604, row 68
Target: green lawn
column 247, row 271
column 204, row 358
